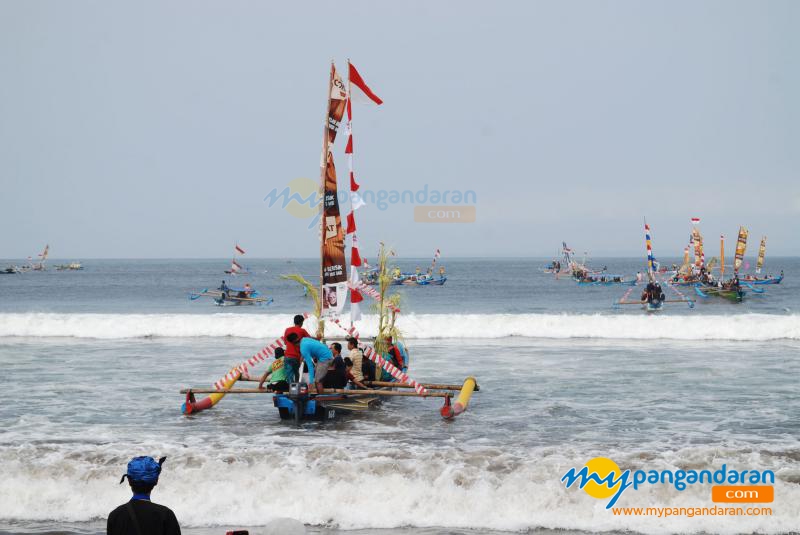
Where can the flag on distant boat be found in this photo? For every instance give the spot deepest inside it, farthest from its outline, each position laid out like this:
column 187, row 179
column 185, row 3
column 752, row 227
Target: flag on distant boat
column 238, row 249
column 695, row 220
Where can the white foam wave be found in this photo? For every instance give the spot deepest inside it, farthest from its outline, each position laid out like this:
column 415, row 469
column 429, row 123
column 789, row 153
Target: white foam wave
column 756, row 327
column 353, row 489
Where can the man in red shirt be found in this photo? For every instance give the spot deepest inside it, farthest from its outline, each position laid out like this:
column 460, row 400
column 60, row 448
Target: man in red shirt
column 292, row 355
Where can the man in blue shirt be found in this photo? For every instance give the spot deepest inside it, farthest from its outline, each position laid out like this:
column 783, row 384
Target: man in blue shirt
column 318, row 358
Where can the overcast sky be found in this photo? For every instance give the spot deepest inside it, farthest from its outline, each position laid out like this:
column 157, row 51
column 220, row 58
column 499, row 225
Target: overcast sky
column 156, row 129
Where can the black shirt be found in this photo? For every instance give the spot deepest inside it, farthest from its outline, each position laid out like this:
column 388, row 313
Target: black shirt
column 337, row 375
column 154, row 519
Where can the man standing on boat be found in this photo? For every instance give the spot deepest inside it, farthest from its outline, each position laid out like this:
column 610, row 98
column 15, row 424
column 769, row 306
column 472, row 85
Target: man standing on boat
column 317, row 356
column 292, row 358
column 140, row 516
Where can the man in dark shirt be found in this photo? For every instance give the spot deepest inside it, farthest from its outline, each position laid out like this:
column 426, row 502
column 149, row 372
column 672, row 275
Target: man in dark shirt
column 140, row 516
column 337, row 373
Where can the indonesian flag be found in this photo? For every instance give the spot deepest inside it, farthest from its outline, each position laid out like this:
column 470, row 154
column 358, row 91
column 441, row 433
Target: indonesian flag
column 239, row 249
column 235, row 266
column 356, row 200
column 437, row 254
column 355, row 295
column 695, row 220
column 351, row 223
column 359, row 89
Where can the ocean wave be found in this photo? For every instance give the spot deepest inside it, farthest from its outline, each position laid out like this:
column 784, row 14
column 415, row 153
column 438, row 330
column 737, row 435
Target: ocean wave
column 337, row 485
column 741, row 327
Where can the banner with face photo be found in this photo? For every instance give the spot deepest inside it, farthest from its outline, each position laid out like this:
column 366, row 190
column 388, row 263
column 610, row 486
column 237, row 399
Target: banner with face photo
column 333, row 298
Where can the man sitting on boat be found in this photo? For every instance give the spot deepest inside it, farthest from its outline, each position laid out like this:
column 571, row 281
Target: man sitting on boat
column 356, row 357
column 350, row 370
column 277, row 374
column 337, row 371
column 293, row 349
column 395, row 356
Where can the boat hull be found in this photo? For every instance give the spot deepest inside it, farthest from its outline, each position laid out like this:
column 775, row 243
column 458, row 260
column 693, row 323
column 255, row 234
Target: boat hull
column 322, row 407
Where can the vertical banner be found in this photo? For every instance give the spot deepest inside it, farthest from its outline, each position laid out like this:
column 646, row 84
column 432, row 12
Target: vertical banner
column 762, row 249
column 698, row 247
column 334, row 274
column 741, row 245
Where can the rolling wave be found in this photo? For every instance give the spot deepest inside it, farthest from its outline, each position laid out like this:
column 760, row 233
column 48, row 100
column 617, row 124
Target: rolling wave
column 743, row 327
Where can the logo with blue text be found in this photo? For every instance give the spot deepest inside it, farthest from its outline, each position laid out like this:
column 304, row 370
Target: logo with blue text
column 602, row 478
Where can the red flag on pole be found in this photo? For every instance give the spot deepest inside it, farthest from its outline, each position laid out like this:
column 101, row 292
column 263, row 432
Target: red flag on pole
column 361, row 86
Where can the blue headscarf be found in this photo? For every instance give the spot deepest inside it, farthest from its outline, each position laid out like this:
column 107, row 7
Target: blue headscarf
column 144, row 470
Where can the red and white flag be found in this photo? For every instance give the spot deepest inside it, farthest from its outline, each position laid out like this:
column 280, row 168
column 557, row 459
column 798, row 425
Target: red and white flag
column 359, row 90
column 695, row 220
column 235, row 266
column 239, row 249
column 355, row 295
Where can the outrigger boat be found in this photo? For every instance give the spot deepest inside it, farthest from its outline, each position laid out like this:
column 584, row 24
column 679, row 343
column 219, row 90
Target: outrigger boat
column 300, row 403
column 227, row 296
column 653, row 297
column 72, row 266
column 730, row 289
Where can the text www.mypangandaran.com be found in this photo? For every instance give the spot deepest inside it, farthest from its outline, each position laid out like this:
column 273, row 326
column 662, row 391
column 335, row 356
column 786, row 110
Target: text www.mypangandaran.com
column 662, row 512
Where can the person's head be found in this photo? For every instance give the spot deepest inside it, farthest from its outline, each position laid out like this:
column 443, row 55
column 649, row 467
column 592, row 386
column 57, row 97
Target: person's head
column 143, row 474
column 331, row 296
column 352, row 343
column 348, row 362
column 298, row 320
column 293, row 338
column 337, row 348
column 279, row 353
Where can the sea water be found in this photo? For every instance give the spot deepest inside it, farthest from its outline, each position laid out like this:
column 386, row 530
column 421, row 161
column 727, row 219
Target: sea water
column 92, row 362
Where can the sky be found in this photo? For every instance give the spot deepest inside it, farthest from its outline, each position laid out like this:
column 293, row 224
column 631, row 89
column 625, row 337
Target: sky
column 157, row 128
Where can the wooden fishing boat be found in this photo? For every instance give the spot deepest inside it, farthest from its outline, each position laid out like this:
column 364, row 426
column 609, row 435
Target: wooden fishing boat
column 233, row 296
column 301, row 403
column 653, row 297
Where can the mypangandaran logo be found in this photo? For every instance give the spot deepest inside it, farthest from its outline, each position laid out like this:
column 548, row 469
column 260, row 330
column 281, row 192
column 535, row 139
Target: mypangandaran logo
column 602, row 478
column 301, row 198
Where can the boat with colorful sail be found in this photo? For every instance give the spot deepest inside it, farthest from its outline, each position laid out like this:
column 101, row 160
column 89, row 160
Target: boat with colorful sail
column 731, row 289
column 653, row 297
column 302, row 402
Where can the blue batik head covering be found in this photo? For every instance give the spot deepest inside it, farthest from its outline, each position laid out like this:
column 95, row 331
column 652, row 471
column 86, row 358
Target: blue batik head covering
column 144, row 470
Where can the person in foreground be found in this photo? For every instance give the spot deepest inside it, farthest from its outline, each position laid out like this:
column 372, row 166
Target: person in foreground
column 140, row 516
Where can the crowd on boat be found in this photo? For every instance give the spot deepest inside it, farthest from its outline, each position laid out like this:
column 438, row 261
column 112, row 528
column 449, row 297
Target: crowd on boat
column 327, row 367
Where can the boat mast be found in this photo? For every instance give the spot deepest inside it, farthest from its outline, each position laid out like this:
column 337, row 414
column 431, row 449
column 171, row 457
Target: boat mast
column 322, row 175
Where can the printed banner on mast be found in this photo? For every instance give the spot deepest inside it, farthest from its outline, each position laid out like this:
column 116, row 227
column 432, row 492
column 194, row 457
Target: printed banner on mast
column 741, row 245
column 334, row 271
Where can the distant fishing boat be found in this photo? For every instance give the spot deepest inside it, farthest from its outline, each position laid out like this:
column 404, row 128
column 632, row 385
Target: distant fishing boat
column 40, row 265
column 731, row 289
column 233, row 296
column 653, row 297
column 72, row 266
column 236, row 268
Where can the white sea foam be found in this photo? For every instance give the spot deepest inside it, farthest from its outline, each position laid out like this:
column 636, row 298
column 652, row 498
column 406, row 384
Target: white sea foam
column 756, row 327
column 335, row 485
